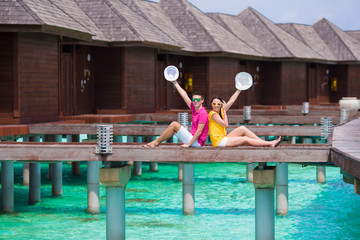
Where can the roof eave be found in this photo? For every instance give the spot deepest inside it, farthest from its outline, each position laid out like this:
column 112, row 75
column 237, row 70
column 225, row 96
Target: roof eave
column 144, row 44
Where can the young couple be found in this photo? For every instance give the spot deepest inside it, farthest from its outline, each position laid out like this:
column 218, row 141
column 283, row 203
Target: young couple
column 215, row 123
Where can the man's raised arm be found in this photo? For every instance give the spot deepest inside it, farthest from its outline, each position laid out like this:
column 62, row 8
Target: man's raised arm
column 182, row 93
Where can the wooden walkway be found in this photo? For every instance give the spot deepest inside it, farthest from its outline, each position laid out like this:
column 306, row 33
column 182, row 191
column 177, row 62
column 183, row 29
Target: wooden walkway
column 345, row 143
column 58, row 152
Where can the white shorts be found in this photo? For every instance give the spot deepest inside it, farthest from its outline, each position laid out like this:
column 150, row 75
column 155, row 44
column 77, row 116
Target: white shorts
column 185, row 136
column 223, row 142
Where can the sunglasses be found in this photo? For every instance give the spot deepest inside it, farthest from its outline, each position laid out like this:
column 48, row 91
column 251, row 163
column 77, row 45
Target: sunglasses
column 216, row 104
column 196, row 99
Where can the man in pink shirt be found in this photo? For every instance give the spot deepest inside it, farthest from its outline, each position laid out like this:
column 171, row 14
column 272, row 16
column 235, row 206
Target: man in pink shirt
column 199, row 126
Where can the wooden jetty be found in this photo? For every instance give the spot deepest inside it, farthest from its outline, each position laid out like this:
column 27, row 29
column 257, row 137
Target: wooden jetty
column 345, row 151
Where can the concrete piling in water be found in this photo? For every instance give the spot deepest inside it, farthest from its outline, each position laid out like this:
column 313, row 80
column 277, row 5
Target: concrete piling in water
column 180, row 166
column 26, row 171
column 7, row 186
column 264, row 183
column 137, row 168
column 320, row 170
column 93, row 187
column 115, row 181
column 75, row 165
column 153, row 165
column 320, row 174
column 188, row 189
column 26, row 174
column 56, row 174
column 35, row 179
column 250, row 171
column 282, row 207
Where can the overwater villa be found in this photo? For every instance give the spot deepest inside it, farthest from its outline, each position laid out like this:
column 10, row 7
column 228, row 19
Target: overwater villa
column 67, row 66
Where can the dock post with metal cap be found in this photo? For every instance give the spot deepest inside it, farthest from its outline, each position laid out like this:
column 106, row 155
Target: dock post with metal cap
column 115, row 180
column 264, row 182
column 35, row 179
column 188, row 176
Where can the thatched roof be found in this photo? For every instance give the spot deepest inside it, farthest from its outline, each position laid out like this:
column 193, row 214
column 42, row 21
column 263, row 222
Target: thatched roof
column 203, row 33
column 121, row 24
column 344, row 47
column 152, row 12
column 354, row 34
column 235, row 26
column 178, row 25
column 38, row 13
column 311, row 38
column 277, row 42
column 73, row 10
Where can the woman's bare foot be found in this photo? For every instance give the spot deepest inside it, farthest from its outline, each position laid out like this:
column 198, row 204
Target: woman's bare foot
column 151, row 144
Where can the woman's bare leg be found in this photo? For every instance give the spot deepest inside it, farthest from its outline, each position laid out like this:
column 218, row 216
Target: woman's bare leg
column 243, row 131
column 241, row 141
column 173, row 128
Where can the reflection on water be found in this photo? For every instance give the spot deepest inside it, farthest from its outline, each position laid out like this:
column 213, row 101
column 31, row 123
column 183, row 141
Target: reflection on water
column 224, row 207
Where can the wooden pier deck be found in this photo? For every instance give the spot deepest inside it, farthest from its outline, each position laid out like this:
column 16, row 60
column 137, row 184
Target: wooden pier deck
column 57, row 152
column 345, row 151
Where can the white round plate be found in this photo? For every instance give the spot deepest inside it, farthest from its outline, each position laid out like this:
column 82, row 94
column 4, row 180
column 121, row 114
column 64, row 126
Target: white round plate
column 243, row 81
column 171, row 73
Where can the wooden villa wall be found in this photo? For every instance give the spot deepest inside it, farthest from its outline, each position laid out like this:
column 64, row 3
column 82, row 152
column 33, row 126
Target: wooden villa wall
column 7, row 53
column 108, row 79
column 38, row 77
column 198, row 66
column 340, row 72
column 294, row 83
column 222, row 72
column 323, row 84
column 139, row 80
column 271, row 83
column 354, row 81
column 173, row 99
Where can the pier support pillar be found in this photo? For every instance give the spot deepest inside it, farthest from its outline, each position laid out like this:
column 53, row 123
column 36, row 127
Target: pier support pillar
column 26, row 174
column 115, row 180
column 153, row 165
column 320, row 174
column 35, row 179
column 137, row 168
column 7, row 186
column 188, row 189
column 75, row 165
column 180, row 172
column 264, row 182
column 250, row 171
column 357, row 186
column 26, row 171
column 282, row 207
column 56, row 174
column 93, row 187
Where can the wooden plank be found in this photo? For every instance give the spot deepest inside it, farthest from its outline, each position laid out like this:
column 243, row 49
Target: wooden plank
column 50, row 152
column 10, row 130
column 346, row 162
column 153, row 130
column 239, row 119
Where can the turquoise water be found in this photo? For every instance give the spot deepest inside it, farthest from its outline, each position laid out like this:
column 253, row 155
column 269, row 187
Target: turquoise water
column 224, row 207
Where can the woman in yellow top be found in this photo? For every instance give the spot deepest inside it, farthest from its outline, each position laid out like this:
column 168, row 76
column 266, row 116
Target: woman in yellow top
column 218, row 122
